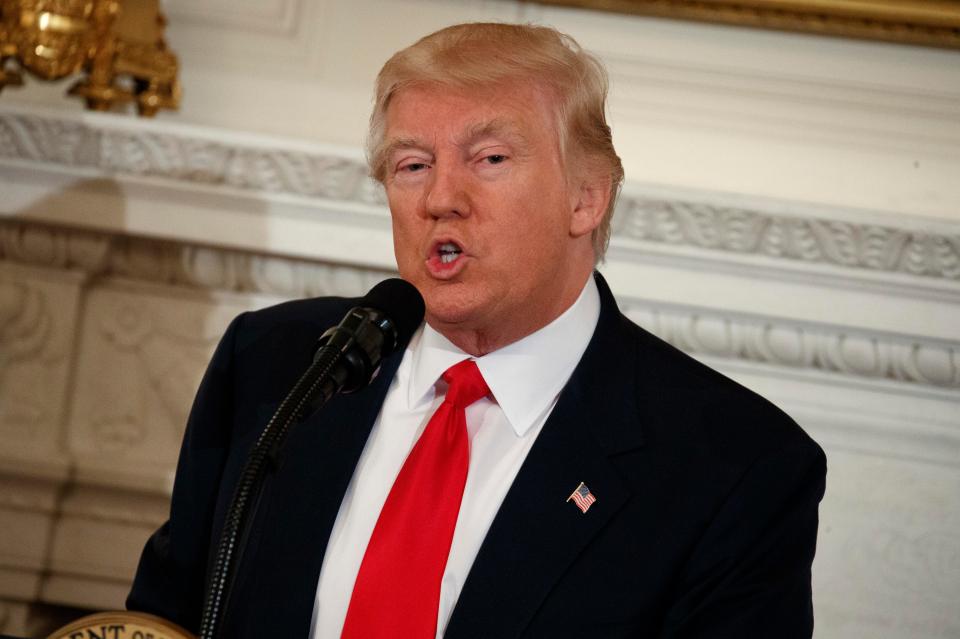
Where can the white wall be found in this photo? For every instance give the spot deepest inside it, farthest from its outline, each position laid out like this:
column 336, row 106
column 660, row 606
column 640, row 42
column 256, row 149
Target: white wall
column 791, row 215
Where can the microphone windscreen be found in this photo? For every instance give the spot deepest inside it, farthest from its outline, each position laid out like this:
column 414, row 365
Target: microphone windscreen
column 400, row 301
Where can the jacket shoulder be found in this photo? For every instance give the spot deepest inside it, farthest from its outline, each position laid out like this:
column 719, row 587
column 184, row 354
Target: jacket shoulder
column 271, row 347
column 309, row 313
column 704, row 408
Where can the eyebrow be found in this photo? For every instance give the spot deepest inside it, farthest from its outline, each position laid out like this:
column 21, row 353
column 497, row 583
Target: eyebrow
column 498, row 127
column 401, row 143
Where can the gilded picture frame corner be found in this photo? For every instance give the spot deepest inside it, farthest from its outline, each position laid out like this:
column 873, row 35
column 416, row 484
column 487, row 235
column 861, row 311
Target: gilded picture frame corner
column 934, row 23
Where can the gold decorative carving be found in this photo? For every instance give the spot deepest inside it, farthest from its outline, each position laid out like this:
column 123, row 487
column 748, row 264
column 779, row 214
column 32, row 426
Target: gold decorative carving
column 117, row 43
column 121, row 625
column 925, row 22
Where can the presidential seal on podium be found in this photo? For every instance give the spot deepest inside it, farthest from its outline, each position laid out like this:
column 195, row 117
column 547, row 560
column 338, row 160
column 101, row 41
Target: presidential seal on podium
column 121, row 625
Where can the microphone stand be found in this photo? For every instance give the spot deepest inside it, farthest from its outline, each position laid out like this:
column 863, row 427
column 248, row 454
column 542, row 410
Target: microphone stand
column 347, row 359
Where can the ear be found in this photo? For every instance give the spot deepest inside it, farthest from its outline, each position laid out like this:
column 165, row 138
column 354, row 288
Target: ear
column 592, row 199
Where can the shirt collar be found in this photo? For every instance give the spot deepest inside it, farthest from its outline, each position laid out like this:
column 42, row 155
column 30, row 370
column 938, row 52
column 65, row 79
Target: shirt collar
column 524, row 377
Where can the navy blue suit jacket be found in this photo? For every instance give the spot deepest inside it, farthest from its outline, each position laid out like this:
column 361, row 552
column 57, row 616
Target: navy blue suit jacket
column 704, row 526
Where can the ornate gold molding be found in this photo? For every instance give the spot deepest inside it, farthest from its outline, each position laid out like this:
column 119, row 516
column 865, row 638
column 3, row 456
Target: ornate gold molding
column 924, row 22
column 118, row 44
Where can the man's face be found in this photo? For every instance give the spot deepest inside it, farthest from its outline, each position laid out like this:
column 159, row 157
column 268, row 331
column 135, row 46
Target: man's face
column 484, row 222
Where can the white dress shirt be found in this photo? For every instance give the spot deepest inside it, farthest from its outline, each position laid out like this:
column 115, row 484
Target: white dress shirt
column 524, row 378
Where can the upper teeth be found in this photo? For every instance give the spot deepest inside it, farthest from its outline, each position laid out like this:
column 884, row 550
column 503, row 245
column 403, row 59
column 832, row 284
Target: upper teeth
column 448, row 252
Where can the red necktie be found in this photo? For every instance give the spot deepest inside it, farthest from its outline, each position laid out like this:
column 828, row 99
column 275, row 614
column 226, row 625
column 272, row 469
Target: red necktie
column 397, row 592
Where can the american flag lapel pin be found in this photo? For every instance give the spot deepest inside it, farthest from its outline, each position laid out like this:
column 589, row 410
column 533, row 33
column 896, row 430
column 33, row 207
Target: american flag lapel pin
column 582, row 497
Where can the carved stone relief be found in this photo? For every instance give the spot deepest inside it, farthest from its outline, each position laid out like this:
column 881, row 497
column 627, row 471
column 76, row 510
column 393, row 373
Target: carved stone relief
column 790, row 237
column 43, row 246
column 142, row 353
column 177, row 157
column 38, row 317
column 103, row 254
column 37, row 320
column 853, row 353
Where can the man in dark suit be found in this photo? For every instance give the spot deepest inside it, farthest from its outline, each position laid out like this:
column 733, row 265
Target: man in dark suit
column 596, row 483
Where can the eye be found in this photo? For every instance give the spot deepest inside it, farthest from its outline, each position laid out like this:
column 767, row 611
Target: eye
column 495, row 159
column 412, row 167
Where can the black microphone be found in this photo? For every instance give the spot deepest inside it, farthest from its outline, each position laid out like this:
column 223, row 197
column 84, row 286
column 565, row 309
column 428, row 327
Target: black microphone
column 384, row 320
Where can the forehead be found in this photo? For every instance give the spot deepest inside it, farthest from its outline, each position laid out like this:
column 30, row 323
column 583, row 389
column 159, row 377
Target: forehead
column 432, row 110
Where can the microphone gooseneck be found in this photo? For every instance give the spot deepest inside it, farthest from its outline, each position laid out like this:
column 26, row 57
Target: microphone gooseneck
column 346, row 360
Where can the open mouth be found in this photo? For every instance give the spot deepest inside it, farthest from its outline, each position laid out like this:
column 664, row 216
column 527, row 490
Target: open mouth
column 447, row 259
column 448, row 252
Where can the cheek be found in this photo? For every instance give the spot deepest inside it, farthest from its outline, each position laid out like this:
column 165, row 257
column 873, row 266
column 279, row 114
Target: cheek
column 538, row 227
column 404, row 246
column 404, row 229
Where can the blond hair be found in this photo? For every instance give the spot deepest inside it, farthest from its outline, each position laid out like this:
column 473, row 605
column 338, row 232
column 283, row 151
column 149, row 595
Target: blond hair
column 483, row 54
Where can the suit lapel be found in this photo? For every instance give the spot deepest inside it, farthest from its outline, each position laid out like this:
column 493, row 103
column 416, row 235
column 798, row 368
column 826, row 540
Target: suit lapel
column 302, row 503
column 537, row 533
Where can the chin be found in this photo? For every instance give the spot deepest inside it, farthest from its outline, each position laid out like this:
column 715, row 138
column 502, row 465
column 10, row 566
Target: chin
column 448, row 314
column 450, row 305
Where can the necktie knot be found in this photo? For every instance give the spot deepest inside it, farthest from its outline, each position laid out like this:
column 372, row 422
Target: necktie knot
column 466, row 384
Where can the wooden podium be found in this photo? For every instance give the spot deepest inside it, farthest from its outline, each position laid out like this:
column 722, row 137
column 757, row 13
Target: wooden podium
column 121, row 625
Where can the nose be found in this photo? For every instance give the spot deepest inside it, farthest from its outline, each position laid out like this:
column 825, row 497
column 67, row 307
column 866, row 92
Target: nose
column 447, row 193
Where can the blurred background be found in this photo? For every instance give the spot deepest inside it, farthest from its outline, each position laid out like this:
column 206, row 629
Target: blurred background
column 791, row 216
